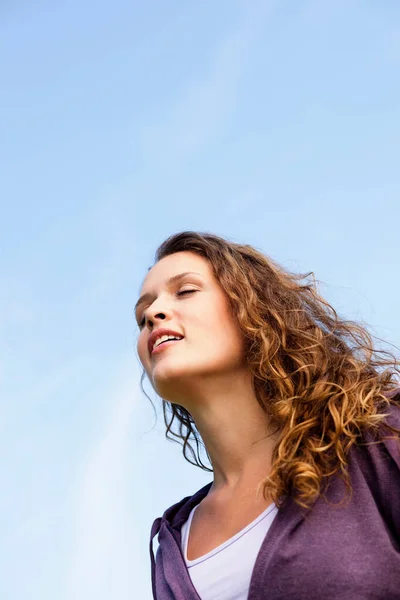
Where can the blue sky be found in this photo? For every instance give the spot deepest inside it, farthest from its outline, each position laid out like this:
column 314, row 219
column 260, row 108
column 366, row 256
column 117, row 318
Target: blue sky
column 272, row 123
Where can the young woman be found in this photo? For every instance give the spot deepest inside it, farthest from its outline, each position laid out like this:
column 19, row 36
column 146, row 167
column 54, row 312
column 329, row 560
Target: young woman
column 300, row 419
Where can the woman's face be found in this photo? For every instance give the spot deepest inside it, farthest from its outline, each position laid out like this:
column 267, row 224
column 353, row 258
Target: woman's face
column 195, row 307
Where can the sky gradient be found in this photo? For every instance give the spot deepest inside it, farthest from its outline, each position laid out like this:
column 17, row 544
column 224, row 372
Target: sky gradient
column 275, row 124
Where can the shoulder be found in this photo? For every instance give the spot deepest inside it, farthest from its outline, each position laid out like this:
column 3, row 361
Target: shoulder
column 376, row 457
column 384, row 441
column 393, row 413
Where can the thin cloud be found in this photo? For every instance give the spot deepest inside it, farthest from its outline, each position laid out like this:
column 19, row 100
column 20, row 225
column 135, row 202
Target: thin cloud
column 105, row 544
column 205, row 102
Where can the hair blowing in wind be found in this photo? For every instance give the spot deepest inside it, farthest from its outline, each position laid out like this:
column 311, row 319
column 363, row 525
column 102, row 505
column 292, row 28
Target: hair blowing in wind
column 318, row 377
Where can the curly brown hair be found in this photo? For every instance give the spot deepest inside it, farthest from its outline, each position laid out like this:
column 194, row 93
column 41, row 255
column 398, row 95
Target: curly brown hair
column 317, row 376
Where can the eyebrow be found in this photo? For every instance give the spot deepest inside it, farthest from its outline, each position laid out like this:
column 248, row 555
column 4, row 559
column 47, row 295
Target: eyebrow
column 171, row 280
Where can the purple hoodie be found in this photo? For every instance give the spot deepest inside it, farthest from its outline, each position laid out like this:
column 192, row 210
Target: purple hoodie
column 348, row 553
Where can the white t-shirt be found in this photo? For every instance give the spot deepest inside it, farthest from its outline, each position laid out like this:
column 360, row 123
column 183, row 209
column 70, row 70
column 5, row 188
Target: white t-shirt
column 225, row 572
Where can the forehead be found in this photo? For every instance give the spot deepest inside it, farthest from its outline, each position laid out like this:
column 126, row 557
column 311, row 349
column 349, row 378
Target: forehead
column 173, row 264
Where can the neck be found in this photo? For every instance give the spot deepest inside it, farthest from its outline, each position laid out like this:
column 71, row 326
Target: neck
column 237, row 434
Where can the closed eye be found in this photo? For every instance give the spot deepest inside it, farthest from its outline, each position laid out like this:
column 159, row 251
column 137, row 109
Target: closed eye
column 184, row 292
column 179, row 293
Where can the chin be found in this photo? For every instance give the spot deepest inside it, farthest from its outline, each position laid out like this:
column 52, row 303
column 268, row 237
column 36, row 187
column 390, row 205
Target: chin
column 166, row 377
column 170, row 380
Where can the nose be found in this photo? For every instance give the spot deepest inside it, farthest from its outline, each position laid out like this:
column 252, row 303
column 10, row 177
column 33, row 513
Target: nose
column 157, row 317
column 154, row 314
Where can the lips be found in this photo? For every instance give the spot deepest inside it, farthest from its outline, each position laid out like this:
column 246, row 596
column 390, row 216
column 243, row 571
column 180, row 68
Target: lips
column 161, row 347
column 159, row 333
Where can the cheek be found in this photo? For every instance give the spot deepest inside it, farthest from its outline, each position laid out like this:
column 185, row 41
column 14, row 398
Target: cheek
column 142, row 350
column 220, row 335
